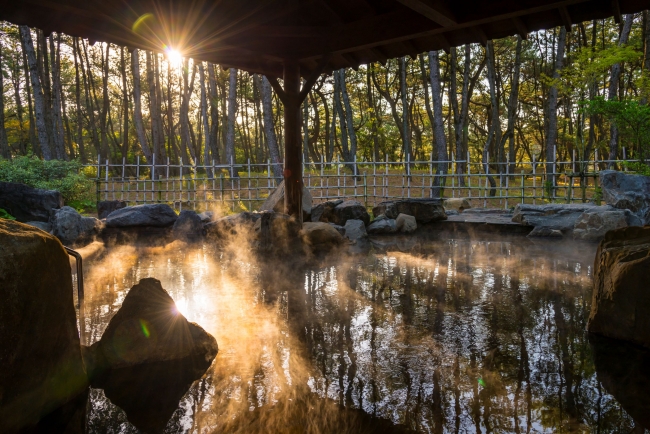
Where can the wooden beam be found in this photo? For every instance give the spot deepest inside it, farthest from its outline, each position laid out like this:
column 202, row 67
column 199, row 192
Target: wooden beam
column 566, row 18
column 444, row 42
column 435, row 14
column 292, row 141
column 521, row 27
column 480, row 34
column 616, row 11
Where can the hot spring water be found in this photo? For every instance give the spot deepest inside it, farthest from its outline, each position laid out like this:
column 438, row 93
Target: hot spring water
column 462, row 336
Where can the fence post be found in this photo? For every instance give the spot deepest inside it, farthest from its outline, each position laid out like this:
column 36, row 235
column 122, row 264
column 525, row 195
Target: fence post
column 106, row 191
column 534, row 182
column 365, row 190
column 487, row 177
column 507, row 179
column 469, row 177
column 554, row 175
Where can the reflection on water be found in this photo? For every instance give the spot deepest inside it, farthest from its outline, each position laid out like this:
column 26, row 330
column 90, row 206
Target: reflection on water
column 464, row 336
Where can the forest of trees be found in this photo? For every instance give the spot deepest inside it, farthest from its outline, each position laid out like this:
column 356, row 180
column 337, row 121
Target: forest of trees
column 543, row 97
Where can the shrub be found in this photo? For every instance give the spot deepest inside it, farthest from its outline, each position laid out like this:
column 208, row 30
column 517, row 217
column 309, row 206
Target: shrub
column 5, row 215
column 63, row 176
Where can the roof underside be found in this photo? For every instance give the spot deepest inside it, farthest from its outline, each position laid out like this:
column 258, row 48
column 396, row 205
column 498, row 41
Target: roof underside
column 258, row 35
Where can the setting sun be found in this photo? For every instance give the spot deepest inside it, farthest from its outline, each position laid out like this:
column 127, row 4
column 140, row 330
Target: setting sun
column 174, row 57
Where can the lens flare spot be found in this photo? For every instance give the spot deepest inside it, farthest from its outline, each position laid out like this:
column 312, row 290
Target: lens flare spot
column 140, row 21
column 481, row 382
column 145, row 329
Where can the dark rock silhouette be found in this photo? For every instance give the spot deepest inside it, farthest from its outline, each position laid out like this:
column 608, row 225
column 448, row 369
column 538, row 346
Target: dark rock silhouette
column 28, row 204
column 622, row 368
column 147, row 329
column 40, row 359
column 620, row 307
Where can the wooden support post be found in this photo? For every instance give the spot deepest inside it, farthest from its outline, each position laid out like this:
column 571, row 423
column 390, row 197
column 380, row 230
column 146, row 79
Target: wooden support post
column 292, row 141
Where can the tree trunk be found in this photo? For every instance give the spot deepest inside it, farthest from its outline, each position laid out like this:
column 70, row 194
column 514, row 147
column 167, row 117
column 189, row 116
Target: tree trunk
column 44, row 75
column 646, row 56
column 154, row 110
column 232, row 111
column 438, row 125
column 39, row 101
column 137, row 106
column 406, row 130
column 613, row 90
column 90, row 101
column 204, row 116
column 342, row 122
column 214, row 114
column 125, row 99
column 551, row 132
column 57, row 120
column 269, row 129
column 80, row 130
column 349, row 120
column 4, row 143
column 512, row 107
column 28, row 90
column 373, row 112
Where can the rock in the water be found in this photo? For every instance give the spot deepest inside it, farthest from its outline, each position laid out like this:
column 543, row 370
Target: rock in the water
column 73, row 229
column 458, row 204
column 148, row 328
column 384, row 226
column 40, row 359
column 545, row 232
column 44, row 226
column 349, row 210
column 320, row 236
column 594, row 223
column 406, row 223
column 323, row 211
column 277, row 231
column 424, row 210
column 154, row 215
column 339, row 228
column 105, row 207
column 232, row 224
column 620, row 306
column 622, row 368
column 626, row 191
column 355, row 230
column 206, row 216
column 28, row 204
column 275, row 202
column 552, row 216
column 188, row 226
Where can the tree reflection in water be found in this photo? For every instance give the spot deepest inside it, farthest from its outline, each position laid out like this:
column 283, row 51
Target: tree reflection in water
column 451, row 336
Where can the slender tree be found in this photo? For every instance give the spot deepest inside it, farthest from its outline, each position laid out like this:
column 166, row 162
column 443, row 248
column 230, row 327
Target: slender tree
column 438, row 125
column 232, row 111
column 137, row 106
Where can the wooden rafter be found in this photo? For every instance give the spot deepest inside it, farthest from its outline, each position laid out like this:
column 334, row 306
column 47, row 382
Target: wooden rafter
column 436, row 14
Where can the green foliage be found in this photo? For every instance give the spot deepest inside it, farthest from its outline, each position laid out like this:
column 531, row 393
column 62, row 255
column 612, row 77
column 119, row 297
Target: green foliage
column 5, row 215
column 631, row 118
column 548, row 190
column 598, row 195
column 63, row 176
column 638, row 168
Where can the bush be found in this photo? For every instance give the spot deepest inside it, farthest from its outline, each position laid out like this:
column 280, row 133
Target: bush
column 63, row 176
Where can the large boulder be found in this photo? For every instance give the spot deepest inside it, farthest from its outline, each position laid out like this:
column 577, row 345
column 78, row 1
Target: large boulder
column 424, row 210
column 553, row 216
column 105, row 207
column 148, row 328
column 594, row 223
column 355, row 230
column 28, row 204
column 275, row 202
column 41, row 368
column 458, row 204
column 73, row 229
column 320, row 236
column 349, row 210
column 383, row 226
column 232, row 224
column 323, row 212
column 620, row 306
column 625, row 191
column 188, row 226
column 158, row 215
column 406, row 223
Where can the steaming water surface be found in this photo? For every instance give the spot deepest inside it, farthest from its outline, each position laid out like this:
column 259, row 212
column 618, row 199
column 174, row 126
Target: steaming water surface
column 441, row 336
